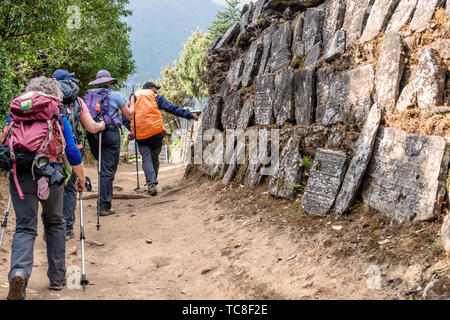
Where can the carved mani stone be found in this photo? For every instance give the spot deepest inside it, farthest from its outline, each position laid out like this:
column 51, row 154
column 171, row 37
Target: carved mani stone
column 231, row 111
column 264, row 99
column 304, row 91
column 390, row 67
column 347, row 97
column 324, row 181
column 283, row 183
column 312, row 27
column 281, row 47
column 406, row 176
column 363, row 151
column 284, row 109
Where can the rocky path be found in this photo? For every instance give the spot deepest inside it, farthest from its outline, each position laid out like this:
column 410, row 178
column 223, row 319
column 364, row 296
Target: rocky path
column 192, row 247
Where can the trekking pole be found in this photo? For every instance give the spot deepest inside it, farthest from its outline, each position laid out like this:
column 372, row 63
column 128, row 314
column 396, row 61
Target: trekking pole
column 84, row 282
column 84, row 144
column 135, row 151
column 99, row 167
column 5, row 222
column 135, row 141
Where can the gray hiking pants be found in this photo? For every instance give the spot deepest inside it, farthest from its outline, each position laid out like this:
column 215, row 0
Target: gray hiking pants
column 26, row 227
column 70, row 203
column 150, row 149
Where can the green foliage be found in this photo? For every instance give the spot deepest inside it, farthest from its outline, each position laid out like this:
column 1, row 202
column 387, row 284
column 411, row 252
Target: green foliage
column 305, row 162
column 177, row 143
column 7, row 88
column 41, row 36
column 183, row 82
column 173, row 91
column 102, row 42
column 26, row 20
column 193, row 66
column 293, row 186
column 224, row 19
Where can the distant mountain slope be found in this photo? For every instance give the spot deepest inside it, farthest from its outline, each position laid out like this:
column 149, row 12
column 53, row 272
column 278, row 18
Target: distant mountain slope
column 159, row 30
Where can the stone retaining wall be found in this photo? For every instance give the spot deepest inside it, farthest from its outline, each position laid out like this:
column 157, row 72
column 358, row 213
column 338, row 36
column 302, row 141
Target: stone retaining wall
column 325, row 73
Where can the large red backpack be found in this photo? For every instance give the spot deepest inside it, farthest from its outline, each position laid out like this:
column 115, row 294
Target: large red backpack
column 34, row 127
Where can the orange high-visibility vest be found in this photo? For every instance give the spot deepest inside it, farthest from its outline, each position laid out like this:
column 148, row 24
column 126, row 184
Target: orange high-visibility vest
column 149, row 120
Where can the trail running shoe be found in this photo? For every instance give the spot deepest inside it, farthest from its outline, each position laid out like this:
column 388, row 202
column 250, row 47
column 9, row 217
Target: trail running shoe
column 152, row 190
column 17, row 286
column 70, row 235
column 104, row 213
column 57, row 285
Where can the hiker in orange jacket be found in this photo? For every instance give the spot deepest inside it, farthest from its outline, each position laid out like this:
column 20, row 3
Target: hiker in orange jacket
column 149, row 129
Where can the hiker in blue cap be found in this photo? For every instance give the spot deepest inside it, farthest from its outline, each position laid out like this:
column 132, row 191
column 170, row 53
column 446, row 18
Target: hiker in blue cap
column 76, row 111
column 62, row 74
column 104, row 103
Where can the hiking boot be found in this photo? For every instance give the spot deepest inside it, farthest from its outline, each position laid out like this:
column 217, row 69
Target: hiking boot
column 57, row 285
column 70, row 235
column 152, row 190
column 104, row 213
column 17, row 286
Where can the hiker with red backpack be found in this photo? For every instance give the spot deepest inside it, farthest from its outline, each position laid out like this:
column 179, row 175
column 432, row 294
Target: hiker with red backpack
column 76, row 111
column 36, row 126
column 104, row 104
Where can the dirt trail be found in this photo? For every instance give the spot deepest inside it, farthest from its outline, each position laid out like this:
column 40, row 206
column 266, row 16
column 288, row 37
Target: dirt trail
column 200, row 249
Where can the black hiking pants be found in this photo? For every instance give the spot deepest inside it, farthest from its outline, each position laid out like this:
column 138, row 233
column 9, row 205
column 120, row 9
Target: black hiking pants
column 150, row 149
column 110, row 161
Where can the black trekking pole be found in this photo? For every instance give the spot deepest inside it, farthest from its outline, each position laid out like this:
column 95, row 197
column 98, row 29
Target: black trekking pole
column 84, row 144
column 84, row 282
column 99, row 168
column 5, row 222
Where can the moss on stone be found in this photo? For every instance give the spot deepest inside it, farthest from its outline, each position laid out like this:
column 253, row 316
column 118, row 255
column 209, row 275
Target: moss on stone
column 298, row 63
column 239, row 38
column 351, row 119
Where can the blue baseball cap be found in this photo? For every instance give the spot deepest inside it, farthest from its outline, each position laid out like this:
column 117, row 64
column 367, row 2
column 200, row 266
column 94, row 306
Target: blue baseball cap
column 61, row 74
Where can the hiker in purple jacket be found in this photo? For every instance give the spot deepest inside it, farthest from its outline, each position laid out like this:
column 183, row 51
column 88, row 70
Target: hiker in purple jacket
column 52, row 216
column 111, row 103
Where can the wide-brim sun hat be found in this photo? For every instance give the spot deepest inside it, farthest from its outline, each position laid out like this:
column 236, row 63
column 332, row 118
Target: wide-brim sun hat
column 103, row 76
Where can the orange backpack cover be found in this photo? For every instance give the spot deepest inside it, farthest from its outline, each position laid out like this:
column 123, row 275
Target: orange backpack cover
column 148, row 119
